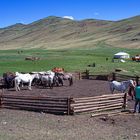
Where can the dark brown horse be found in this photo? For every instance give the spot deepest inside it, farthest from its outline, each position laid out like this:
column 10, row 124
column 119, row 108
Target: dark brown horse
column 131, row 91
column 8, row 78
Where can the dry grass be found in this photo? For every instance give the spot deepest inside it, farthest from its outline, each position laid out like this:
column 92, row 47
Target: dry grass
column 58, row 33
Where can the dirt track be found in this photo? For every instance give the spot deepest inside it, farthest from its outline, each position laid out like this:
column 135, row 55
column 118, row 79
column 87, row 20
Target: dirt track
column 25, row 125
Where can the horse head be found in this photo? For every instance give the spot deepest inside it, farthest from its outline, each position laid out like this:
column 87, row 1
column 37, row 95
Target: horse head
column 17, row 73
column 36, row 76
column 132, row 83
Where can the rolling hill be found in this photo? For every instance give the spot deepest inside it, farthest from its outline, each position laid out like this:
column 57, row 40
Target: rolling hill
column 60, row 33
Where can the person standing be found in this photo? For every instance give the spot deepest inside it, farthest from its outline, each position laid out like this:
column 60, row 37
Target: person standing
column 137, row 99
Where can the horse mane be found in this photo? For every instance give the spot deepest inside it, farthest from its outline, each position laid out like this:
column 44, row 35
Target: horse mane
column 126, row 81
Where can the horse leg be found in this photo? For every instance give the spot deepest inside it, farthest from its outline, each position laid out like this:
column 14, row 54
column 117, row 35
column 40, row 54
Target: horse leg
column 16, row 85
column 29, row 87
column 18, row 88
column 111, row 89
column 70, row 81
column 22, row 84
column 51, row 85
column 55, row 81
column 60, row 81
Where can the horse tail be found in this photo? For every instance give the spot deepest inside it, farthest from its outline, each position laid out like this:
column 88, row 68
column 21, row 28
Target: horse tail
column 111, row 87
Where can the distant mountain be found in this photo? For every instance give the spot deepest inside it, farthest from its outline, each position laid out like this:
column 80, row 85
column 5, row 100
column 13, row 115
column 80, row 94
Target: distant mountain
column 58, row 33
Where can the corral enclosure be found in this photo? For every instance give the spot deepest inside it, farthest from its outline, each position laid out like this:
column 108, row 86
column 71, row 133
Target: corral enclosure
column 84, row 96
column 29, row 125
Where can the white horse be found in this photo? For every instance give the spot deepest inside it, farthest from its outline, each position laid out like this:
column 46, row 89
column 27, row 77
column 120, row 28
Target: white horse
column 121, row 86
column 24, row 78
column 48, row 79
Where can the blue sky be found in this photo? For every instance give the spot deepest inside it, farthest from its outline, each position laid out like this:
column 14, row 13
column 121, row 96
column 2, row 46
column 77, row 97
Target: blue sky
column 27, row 11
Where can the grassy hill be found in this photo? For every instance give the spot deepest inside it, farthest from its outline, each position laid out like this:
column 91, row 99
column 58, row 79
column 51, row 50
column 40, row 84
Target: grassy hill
column 59, row 33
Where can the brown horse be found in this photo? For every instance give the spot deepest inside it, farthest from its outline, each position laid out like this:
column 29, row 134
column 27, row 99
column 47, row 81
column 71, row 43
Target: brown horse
column 131, row 91
column 66, row 76
column 8, row 78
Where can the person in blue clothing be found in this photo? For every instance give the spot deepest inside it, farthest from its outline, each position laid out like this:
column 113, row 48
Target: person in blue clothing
column 137, row 99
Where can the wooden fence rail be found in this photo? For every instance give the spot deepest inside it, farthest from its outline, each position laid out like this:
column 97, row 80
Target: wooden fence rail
column 43, row 104
column 109, row 76
column 121, row 77
column 67, row 106
column 98, row 103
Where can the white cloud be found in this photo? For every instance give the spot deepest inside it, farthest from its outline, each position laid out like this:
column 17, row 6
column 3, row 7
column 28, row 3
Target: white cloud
column 96, row 13
column 69, row 17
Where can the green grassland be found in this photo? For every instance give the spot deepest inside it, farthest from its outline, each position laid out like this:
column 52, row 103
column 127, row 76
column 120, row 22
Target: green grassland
column 69, row 59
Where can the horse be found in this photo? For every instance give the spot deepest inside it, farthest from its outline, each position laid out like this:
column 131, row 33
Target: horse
column 121, row 86
column 24, row 78
column 8, row 79
column 58, row 79
column 131, row 91
column 48, row 79
column 65, row 76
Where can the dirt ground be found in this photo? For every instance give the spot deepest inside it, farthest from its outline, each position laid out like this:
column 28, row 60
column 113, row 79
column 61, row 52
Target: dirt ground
column 28, row 125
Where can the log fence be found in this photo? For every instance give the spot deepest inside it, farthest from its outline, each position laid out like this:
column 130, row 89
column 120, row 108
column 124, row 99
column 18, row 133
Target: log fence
column 121, row 77
column 59, row 105
column 67, row 105
column 109, row 76
column 56, row 105
column 99, row 103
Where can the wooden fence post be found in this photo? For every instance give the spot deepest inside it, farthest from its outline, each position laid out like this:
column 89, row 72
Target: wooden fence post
column 87, row 74
column 79, row 74
column 70, row 100
column 113, row 76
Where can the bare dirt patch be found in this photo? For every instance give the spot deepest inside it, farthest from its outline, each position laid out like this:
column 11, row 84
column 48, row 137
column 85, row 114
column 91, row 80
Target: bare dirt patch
column 27, row 125
column 80, row 88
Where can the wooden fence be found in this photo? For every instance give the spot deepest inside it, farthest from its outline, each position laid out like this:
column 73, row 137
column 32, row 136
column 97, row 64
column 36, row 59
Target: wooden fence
column 94, row 76
column 98, row 103
column 121, row 77
column 60, row 105
column 109, row 76
column 55, row 105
